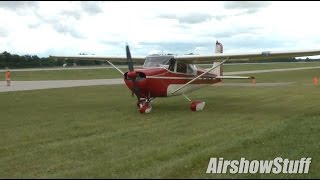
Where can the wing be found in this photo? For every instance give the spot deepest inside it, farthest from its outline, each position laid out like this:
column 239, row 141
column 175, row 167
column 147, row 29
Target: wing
column 101, row 58
column 199, row 59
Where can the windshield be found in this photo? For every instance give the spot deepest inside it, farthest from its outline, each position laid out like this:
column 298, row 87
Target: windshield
column 157, row 61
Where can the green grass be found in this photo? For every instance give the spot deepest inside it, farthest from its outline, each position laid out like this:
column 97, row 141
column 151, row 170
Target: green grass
column 112, row 73
column 97, row 132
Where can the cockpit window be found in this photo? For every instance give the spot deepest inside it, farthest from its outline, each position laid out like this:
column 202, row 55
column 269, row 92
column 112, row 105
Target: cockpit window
column 157, row 61
column 186, row 68
column 168, row 62
column 191, row 69
column 182, row 68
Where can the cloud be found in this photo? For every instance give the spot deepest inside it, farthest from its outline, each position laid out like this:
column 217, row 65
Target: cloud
column 64, row 23
column 72, row 13
column 88, row 7
column 167, row 16
column 193, row 18
column 172, row 27
column 34, row 25
column 14, row 5
column 237, row 31
column 182, row 47
column 254, row 43
column 92, row 7
column 67, row 29
column 246, row 4
column 66, row 17
column 3, row 32
column 250, row 7
column 220, row 17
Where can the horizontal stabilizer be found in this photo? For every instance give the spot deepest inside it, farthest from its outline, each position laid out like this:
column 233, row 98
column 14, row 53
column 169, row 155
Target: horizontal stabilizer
column 234, row 77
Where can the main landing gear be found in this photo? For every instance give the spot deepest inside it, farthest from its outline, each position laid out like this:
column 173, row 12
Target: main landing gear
column 196, row 105
column 144, row 105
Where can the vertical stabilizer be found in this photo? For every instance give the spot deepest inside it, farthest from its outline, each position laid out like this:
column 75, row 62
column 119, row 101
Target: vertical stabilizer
column 219, row 70
column 219, row 48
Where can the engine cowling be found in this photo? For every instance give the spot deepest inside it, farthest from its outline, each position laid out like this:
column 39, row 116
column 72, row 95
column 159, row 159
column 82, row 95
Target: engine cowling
column 136, row 79
column 132, row 74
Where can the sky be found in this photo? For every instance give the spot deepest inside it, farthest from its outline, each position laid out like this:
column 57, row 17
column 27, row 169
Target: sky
column 46, row 28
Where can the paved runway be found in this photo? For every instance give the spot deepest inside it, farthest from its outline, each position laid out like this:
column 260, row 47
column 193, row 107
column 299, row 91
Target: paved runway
column 269, row 70
column 32, row 85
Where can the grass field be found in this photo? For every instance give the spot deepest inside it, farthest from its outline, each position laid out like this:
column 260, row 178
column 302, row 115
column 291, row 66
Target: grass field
column 97, row 132
column 112, row 73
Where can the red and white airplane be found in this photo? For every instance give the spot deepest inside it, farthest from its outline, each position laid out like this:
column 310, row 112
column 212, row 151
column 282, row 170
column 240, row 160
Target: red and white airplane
column 169, row 75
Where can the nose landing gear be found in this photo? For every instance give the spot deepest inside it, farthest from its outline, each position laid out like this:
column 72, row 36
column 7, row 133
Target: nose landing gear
column 144, row 105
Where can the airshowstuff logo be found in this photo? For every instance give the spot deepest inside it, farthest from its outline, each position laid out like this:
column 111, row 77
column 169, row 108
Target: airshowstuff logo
column 276, row 166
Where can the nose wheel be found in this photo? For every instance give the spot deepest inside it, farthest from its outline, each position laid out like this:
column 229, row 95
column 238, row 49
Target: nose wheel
column 144, row 106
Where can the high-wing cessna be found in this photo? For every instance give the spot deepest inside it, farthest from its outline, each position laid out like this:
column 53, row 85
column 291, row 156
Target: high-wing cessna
column 169, row 75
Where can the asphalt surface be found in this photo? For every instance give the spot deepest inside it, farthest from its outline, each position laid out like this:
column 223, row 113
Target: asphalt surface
column 33, row 85
column 269, row 70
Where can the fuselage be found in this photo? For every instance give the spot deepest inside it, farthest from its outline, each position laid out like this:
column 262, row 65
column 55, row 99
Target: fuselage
column 161, row 82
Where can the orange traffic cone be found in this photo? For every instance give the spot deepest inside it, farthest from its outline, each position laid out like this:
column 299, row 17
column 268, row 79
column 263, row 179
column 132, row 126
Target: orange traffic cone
column 315, row 80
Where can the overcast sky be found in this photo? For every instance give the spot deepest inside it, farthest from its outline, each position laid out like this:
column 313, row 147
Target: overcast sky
column 103, row 28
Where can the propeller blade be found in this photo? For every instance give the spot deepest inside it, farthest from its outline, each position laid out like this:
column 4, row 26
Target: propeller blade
column 136, row 89
column 134, row 77
column 129, row 59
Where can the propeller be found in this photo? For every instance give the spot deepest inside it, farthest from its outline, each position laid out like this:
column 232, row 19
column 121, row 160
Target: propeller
column 130, row 63
column 132, row 75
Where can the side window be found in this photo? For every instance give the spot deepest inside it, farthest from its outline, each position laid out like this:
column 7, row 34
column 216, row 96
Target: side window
column 181, row 68
column 190, row 69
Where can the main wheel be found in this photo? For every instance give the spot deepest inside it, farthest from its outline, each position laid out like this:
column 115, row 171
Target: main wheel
column 197, row 105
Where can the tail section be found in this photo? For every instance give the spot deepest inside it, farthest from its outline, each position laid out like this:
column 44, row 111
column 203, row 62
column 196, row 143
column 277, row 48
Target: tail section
column 219, row 70
column 219, row 48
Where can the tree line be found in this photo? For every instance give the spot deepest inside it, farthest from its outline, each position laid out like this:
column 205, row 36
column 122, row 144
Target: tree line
column 33, row 61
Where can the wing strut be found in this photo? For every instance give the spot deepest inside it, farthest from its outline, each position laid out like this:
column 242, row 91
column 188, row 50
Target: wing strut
column 115, row 67
column 199, row 76
column 186, row 97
